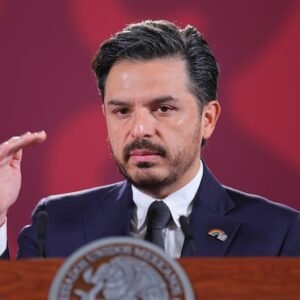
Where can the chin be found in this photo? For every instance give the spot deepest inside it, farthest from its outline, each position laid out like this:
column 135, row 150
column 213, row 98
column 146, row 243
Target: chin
column 146, row 174
column 151, row 179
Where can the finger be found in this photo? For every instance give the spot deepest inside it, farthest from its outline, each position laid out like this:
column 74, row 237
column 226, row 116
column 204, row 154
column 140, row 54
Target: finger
column 14, row 139
column 16, row 159
column 38, row 136
column 27, row 139
column 14, row 144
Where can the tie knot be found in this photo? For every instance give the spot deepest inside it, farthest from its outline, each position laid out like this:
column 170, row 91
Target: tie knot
column 158, row 215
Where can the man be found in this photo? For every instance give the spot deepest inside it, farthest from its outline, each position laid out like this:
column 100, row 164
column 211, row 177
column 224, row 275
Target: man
column 158, row 85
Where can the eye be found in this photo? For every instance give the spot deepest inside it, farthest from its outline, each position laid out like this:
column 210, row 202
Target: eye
column 121, row 111
column 164, row 109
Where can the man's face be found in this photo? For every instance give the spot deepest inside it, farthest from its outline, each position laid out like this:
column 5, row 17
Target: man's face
column 154, row 124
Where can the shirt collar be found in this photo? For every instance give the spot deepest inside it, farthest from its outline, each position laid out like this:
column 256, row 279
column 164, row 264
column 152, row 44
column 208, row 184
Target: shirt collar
column 178, row 202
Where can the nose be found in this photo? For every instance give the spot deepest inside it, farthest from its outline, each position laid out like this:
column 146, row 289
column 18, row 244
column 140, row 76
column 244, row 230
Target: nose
column 143, row 125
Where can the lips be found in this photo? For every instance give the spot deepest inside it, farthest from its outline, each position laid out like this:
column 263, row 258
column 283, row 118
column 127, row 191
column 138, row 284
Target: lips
column 142, row 155
column 142, row 152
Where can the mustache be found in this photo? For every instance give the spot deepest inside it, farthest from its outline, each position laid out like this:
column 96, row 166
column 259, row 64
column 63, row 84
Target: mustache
column 143, row 144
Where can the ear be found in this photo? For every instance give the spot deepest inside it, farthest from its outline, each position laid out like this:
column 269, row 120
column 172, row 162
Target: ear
column 103, row 109
column 210, row 115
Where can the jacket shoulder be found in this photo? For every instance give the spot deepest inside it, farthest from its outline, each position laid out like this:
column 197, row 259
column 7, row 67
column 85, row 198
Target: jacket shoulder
column 82, row 197
column 260, row 203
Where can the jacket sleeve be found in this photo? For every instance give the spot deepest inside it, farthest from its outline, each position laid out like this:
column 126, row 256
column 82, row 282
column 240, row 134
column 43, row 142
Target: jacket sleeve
column 28, row 240
column 291, row 243
column 5, row 254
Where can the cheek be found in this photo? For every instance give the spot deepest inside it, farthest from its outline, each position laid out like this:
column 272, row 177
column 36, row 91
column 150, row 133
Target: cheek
column 112, row 136
column 114, row 140
column 176, row 139
column 188, row 130
column 117, row 141
column 179, row 122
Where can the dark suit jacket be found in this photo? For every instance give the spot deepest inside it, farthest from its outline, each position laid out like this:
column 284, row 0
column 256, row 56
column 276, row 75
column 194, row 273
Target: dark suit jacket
column 254, row 225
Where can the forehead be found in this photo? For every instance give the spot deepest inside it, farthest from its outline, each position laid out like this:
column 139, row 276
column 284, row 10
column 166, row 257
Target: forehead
column 147, row 79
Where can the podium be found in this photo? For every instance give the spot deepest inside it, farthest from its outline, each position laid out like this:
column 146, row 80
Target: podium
column 212, row 278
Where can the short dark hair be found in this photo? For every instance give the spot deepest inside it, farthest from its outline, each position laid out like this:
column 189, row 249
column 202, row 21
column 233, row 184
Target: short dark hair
column 157, row 39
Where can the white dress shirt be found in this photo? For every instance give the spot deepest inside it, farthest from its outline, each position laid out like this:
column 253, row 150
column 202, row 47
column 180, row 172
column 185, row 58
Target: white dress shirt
column 179, row 203
column 3, row 237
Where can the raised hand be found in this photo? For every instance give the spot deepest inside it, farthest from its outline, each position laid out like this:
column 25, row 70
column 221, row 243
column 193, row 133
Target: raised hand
column 10, row 168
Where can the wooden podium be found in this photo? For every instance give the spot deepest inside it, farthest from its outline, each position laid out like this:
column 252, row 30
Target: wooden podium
column 212, row 278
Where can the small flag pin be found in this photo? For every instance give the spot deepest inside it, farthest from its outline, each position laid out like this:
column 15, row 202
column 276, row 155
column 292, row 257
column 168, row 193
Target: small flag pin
column 219, row 234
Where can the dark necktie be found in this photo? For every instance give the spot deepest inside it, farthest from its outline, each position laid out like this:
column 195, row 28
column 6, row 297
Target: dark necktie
column 158, row 217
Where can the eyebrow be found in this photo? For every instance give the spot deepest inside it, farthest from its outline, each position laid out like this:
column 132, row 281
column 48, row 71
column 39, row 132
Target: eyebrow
column 157, row 100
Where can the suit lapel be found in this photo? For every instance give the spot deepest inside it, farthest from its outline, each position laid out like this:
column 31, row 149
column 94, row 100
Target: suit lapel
column 210, row 211
column 109, row 216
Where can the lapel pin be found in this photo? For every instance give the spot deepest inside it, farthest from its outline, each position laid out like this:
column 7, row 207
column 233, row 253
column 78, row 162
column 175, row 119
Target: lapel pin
column 219, row 234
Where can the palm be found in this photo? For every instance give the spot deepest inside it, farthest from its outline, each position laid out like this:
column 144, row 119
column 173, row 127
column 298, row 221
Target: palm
column 10, row 164
column 10, row 178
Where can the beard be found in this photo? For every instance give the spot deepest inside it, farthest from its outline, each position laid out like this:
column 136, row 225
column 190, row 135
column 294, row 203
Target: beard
column 145, row 177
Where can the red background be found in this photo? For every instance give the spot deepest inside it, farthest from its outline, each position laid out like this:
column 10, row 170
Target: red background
column 46, row 83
